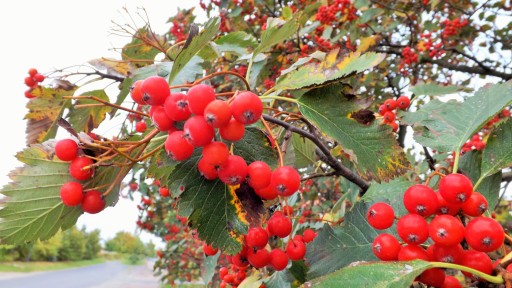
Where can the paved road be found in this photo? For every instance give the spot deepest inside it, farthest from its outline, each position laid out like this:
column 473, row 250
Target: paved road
column 106, row 275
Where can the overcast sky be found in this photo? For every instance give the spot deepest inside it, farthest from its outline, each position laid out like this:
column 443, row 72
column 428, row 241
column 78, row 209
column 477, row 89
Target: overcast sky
column 55, row 34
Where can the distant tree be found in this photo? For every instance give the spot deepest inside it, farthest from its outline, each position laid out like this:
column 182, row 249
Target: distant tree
column 125, row 242
column 92, row 244
column 47, row 250
column 73, row 245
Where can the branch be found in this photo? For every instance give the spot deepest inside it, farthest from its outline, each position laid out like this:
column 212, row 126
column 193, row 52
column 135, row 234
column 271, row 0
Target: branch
column 328, row 158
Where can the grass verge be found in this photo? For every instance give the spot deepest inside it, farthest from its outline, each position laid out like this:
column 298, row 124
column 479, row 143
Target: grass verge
column 45, row 266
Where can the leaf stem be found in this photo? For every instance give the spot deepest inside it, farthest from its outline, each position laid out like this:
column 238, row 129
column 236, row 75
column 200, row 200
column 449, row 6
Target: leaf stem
column 275, row 97
column 478, row 182
column 456, row 161
column 249, row 67
column 489, row 278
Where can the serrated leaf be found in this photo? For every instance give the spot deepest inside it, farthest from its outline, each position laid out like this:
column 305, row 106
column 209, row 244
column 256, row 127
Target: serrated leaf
column 334, row 68
column 238, row 43
column 87, row 118
column 276, row 32
column 498, row 150
column 113, row 66
column 434, row 89
column 253, row 281
column 304, row 151
column 34, row 209
column 43, row 112
column 255, row 146
column 196, row 44
column 372, row 148
column 375, row 275
column 140, row 50
column 279, row 279
column 446, row 126
column 336, row 248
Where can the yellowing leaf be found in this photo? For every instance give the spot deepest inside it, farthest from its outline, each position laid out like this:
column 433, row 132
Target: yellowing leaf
column 113, row 66
column 367, row 43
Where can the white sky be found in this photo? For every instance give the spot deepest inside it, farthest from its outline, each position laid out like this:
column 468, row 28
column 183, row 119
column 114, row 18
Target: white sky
column 55, row 34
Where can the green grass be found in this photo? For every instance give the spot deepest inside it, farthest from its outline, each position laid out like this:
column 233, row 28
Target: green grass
column 45, row 266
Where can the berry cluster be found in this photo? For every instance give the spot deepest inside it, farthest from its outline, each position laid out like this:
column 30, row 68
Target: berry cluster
column 409, row 57
column 449, row 217
column 32, row 81
column 258, row 252
column 327, row 14
column 427, row 45
column 387, row 110
column 453, row 27
column 475, row 143
column 80, row 168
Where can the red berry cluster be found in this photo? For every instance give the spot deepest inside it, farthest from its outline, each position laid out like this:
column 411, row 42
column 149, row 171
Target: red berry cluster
column 475, row 143
column 387, row 110
column 80, row 168
column 427, row 45
column 409, row 57
column 434, row 215
column 32, row 81
column 327, row 14
column 258, row 253
column 453, row 27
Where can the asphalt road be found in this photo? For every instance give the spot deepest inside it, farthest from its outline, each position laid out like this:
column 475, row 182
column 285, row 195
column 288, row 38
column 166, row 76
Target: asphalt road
column 106, row 275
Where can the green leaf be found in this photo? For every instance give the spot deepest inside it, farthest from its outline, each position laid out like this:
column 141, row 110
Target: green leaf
column 196, row 44
column 333, row 68
column 304, row 151
column 498, row 150
column 446, row 126
column 279, row 279
column 434, row 89
column 236, row 42
column 372, row 148
column 87, row 118
column 34, row 209
column 299, row 270
column 276, row 32
column 336, row 248
column 208, row 267
column 255, row 146
column 375, row 275
column 124, row 91
column 287, row 13
column 43, row 112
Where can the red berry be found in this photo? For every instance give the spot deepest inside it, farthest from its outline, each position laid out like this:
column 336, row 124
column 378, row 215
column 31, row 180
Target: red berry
column 164, row 191
column 309, row 235
column 382, row 110
column 448, row 254
column 216, row 154
column 133, row 186
column 177, row 147
column 451, row 282
column 390, row 104
column 266, row 193
column 207, row 170
column 420, row 199
column 256, row 238
column 412, row 228
column 29, row 81
column 136, row 93
column 484, row 234
column 412, row 252
column 93, row 202
column 39, row 77
column 287, row 210
column 161, row 120
column 209, row 250
column 234, row 170
column 198, row 132
column 445, row 207
column 285, row 180
column 446, row 230
column 233, row 131
column 403, row 102
column 475, row 206
column 199, row 96
column 258, row 258
column 140, row 126
column 259, row 174
column 477, row 260
column 66, row 149
column 279, row 225
column 247, row 108
column 217, row 113
column 71, row 193
column 433, row 277
column 80, row 168
column 278, row 259
column 394, row 126
column 29, row 95
column 296, row 250
column 155, row 90
column 389, row 117
column 380, row 215
column 176, row 107
column 386, row 247
column 32, row 72
column 455, row 188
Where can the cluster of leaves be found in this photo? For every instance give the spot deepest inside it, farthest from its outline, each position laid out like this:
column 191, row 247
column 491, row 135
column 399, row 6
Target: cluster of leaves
column 321, row 76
